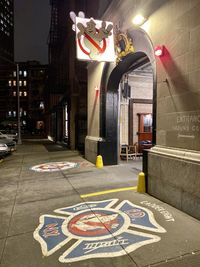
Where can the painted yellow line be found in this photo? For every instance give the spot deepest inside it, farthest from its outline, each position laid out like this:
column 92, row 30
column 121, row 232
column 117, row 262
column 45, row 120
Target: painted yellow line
column 109, row 191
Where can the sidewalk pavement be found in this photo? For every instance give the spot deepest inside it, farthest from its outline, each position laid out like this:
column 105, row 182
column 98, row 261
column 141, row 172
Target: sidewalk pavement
column 51, row 218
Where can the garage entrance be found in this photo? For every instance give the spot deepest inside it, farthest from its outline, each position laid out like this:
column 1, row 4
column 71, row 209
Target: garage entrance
column 141, row 60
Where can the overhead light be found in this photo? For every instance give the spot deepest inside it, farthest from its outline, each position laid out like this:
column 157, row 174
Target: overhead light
column 159, row 50
column 138, row 20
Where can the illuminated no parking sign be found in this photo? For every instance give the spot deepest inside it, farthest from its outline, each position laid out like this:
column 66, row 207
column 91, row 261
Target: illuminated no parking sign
column 94, row 40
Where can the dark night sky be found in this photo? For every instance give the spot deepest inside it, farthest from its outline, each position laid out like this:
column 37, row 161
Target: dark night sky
column 32, row 21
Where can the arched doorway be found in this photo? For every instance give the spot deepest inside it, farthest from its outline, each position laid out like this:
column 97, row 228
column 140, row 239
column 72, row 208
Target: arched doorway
column 109, row 113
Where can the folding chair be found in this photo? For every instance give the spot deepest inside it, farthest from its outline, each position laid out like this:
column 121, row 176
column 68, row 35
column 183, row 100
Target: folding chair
column 128, row 152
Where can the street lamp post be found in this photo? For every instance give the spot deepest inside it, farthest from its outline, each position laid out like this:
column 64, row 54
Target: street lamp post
column 19, row 140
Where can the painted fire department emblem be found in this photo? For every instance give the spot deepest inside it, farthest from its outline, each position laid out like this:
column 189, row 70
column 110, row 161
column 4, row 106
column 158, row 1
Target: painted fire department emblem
column 94, row 40
column 98, row 230
column 54, row 166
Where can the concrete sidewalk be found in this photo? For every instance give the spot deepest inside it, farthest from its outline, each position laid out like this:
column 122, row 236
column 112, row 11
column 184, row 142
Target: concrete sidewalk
column 57, row 218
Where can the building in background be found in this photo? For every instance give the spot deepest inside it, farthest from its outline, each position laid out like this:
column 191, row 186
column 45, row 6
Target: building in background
column 32, row 88
column 6, row 50
column 6, row 31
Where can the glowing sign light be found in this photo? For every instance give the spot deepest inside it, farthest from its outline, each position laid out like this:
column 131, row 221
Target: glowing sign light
column 159, row 51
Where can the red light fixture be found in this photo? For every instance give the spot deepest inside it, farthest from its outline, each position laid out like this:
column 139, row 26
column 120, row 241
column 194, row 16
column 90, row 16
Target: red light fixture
column 159, row 50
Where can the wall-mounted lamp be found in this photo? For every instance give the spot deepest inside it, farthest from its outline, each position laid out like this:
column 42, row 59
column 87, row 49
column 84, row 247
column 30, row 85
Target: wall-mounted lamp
column 96, row 88
column 159, row 50
column 138, row 20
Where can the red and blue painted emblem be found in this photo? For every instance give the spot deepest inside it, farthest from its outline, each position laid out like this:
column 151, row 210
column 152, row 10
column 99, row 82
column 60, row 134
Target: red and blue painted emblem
column 97, row 229
column 54, row 166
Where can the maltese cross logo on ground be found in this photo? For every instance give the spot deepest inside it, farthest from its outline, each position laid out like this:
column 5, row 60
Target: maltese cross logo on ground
column 54, row 166
column 98, row 230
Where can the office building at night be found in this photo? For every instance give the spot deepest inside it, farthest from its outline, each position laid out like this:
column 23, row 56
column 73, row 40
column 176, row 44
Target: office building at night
column 6, row 31
column 32, row 87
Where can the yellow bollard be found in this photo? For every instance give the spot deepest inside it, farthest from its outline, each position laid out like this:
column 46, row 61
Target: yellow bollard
column 99, row 162
column 141, row 187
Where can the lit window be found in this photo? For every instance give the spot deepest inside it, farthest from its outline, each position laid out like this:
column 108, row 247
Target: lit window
column 25, row 73
column 9, row 83
column 20, row 83
column 14, row 83
column 14, row 113
column 25, row 83
column 20, row 93
column 24, row 112
column 9, row 113
column 25, row 93
column 20, row 72
column 14, row 73
column 14, row 93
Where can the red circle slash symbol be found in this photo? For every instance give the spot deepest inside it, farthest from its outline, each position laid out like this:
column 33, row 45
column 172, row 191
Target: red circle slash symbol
column 100, row 49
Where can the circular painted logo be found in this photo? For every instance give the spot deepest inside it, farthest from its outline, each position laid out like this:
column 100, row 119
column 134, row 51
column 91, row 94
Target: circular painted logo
column 54, row 166
column 96, row 223
column 95, row 230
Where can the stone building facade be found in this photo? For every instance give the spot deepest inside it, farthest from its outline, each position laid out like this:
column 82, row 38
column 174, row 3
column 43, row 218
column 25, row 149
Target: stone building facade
column 174, row 161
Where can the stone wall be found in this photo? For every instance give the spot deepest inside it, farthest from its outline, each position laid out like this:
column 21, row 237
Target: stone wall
column 93, row 127
column 174, row 165
column 178, row 90
column 94, row 80
column 141, row 86
column 173, row 177
column 124, row 109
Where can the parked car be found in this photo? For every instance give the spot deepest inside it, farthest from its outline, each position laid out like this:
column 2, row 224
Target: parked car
column 9, row 142
column 4, row 133
column 4, row 150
